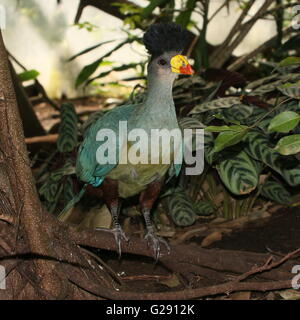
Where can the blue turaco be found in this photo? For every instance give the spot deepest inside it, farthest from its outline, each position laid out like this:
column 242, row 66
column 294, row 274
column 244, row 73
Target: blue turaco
column 114, row 181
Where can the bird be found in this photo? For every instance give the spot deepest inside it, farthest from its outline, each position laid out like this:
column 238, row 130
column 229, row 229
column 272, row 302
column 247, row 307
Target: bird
column 116, row 181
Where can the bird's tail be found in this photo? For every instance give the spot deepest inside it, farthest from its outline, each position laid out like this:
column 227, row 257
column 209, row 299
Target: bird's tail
column 72, row 203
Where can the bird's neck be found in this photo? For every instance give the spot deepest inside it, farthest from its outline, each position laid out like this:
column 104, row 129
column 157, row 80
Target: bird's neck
column 159, row 96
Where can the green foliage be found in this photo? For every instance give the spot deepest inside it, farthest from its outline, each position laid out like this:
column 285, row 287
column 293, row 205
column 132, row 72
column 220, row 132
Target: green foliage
column 239, row 173
column 288, row 145
column 215, row 104
column 181, row 208
column 203, row 208
column 86, row 25
column 184, row 18
column 276, row 192
column 58, row 185
column 230, row 137
column 147, row 11
column 291, row 90
column 284, row 122
column 68, row 132
column 28, row 75
column 88, row 70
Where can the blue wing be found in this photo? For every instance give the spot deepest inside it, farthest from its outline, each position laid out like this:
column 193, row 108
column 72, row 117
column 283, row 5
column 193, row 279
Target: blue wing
column 87, row 167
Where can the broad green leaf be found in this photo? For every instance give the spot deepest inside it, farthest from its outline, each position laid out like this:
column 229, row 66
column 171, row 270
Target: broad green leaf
column 228, row 138
column 288, row 145
column 276, row 192
column 239, row 173
column 28, row 75
column 217, row 128
column 284, row 122
column 289, row 61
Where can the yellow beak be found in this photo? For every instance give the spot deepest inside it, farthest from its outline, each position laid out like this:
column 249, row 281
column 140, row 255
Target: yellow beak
column 180, row 64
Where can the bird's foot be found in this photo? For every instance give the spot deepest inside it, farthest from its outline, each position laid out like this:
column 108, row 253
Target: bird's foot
column 154, row 241
column 119, row 235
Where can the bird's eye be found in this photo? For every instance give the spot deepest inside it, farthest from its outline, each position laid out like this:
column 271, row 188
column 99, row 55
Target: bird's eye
column 162, row 62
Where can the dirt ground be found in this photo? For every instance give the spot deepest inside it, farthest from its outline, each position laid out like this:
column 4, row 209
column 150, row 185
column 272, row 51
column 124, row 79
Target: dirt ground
column 278, row 235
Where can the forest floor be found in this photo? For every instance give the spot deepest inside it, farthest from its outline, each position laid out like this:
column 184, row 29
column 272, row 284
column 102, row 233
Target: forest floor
column 277, row 234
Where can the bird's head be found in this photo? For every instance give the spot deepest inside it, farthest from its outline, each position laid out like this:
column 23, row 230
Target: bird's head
column 165, row 42
column 170, row 65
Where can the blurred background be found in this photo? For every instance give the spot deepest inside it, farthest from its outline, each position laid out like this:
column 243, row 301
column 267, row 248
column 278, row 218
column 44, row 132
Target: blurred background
column 42, row 35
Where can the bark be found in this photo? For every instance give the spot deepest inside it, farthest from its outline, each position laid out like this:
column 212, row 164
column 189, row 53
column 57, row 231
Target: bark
column 15, row 162
column 31, row 124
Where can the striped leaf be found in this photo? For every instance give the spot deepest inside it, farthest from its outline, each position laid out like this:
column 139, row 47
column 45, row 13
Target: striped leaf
column 68, row 132
column 181, row 209
column 68, row 192
column 276, row 192
column 275, row 84
column 258, row 148
column 239, row 112
column 203, row 208
column 254, row 84
column 291, row 90
column 239, row 173
column 190, row 123
column 216, row 104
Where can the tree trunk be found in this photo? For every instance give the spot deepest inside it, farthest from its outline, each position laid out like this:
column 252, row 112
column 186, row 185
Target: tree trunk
column 23, row 196
column 31, row 124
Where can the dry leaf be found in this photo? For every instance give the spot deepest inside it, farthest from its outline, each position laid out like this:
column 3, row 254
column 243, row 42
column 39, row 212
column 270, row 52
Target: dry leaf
column 171, row 282
column 242, row 295
column 290, row 294
column 97, row 218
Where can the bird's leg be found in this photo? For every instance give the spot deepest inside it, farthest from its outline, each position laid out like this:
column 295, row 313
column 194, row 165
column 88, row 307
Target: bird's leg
column 113, row 202
column 117, row 230
column 147, row 199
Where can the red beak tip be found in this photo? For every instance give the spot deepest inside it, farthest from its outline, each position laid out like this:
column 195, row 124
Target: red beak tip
column 187, row 70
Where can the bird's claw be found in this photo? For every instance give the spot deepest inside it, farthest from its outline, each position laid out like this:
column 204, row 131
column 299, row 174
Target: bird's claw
column 119, row 235
column 152, row 237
